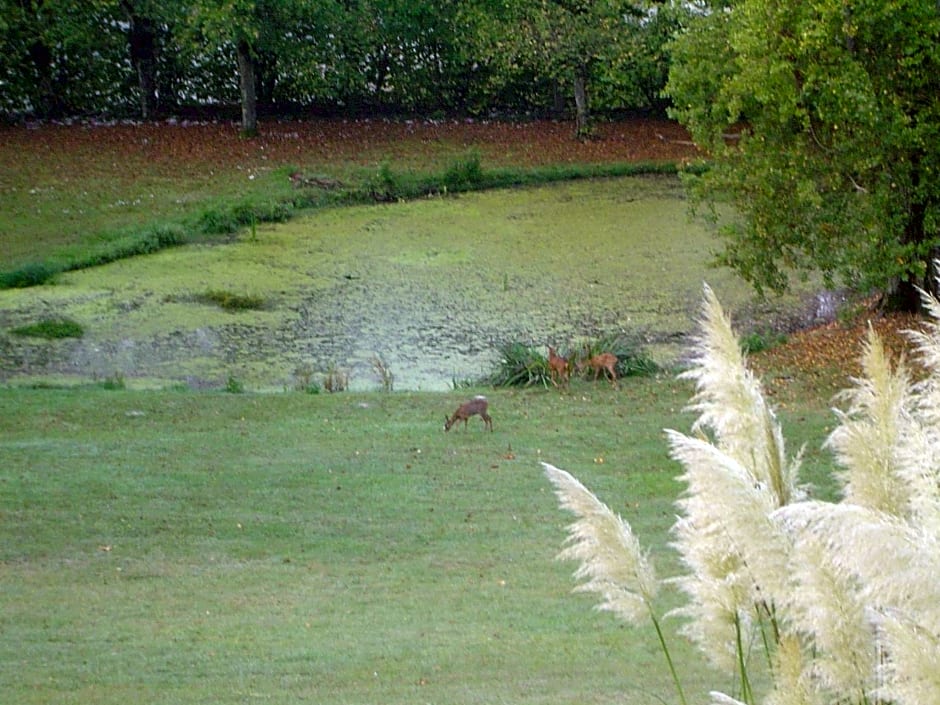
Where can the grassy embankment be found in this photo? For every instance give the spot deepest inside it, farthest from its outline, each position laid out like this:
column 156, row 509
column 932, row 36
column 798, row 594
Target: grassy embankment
column 104, row 194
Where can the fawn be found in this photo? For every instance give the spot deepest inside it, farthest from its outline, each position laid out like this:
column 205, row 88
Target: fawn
column 558, row 367
column 603, row 361
column 477, row 405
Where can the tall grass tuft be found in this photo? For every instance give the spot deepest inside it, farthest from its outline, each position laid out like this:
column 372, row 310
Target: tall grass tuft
column 27, row 275
column 632, row 359
column 520, row 365
column 840, row 598
column 51, row 329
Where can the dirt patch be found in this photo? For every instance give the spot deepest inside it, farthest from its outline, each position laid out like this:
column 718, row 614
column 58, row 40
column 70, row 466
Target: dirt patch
column 177, row 146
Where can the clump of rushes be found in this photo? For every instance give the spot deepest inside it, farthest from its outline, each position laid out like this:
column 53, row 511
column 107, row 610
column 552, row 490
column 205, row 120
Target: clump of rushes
column 51, row 329
column 384, row 372
column 32, row 274
column 632, row 359
column 520, row 366
column 231, row 301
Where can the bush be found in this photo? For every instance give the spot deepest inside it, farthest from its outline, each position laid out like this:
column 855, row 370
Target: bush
column 52, row 329
column 32, row 274
column 231, row 301
column 632, row 359
column 757, row 341
column 466, row 173
column 218, row 220
column 520, row 366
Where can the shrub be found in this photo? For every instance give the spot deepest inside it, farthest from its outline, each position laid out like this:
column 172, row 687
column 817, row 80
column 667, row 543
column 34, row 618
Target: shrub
column 51, row 329
column 32, row 274
column 234, row 386
column 231, row 301
column 757, row 341
column 520, row 366
column 113, row 383
column 218, row 220
column 383, row 372
column 632, row 359
column 843, row 597
column 465, row 173
column 335, row 379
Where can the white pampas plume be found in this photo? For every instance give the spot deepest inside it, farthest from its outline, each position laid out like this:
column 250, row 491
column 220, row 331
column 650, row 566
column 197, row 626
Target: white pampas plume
column 793, row 684
column 735, row 554
column 877, row 434
column 912, row 674
column 611, row 561
column 610, row 558
column 730, row 403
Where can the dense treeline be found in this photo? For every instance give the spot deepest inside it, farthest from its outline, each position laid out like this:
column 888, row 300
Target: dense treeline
column 145, row 58
column 821, row 120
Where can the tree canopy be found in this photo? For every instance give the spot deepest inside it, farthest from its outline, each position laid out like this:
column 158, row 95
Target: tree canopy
column 823, row 122
column 143, row 57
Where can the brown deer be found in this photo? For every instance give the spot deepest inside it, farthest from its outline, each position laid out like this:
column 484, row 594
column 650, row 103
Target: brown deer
column 602, row 361
column 558, row 367
column 477, row 405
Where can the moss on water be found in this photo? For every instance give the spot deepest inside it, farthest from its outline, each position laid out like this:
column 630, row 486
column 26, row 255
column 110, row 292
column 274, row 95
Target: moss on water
column 432, row 286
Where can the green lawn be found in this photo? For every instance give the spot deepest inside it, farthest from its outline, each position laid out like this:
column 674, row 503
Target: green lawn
column 179, row 547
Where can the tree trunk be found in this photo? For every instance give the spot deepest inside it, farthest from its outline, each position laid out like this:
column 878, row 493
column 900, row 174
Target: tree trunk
column 582, row 112
column 906, row 295
column 141, row 38
column 246, row 84
column 48, row 103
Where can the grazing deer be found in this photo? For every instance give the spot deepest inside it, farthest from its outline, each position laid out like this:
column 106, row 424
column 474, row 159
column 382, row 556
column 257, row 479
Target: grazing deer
column 477, row 405
column 558, row 367
column 603, row 361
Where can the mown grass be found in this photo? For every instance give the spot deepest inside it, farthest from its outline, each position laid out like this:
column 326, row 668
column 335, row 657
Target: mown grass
column 186, row 547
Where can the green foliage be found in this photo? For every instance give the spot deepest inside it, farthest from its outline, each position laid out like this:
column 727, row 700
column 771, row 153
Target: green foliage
column 231, row 301
column 114, row 382
column 304, row 376
column 836, row 165
column 519, row 366
column 31, row 274
column 464, row 174
column 51, row 329
column 758, row 341
column 632, row 359
column 234, row 386
column 388, row 56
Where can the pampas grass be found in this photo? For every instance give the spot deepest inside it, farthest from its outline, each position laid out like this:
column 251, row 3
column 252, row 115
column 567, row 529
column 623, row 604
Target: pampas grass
column 610, row 557
column 843, row 597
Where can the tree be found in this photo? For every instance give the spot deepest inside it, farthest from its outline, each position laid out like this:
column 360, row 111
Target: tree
column 567, row 41
column 837, row 167
column 150, row 26
column 61, row 57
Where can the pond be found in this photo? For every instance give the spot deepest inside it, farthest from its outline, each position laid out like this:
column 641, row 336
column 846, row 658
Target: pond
column 431, row 288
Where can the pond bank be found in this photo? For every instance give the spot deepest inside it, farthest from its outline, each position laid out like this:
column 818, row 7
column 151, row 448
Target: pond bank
column 429, row 287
